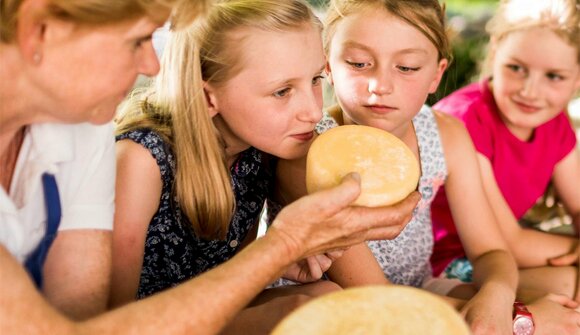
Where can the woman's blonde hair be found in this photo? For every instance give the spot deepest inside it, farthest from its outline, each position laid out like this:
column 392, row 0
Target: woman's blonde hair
column 428, row 16
column 175, row 106
column 97, row 12
column 561, row 16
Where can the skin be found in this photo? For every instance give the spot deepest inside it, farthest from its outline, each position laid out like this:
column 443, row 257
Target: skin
column 536, row 74
column 52, row 95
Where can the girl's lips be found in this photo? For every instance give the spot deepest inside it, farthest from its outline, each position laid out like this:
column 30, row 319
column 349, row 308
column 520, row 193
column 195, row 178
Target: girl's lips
column 526, row 108
column 304, row 136
column 381, row 109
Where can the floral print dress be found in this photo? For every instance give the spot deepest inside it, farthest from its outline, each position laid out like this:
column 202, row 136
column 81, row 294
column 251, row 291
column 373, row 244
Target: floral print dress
column 173, row 253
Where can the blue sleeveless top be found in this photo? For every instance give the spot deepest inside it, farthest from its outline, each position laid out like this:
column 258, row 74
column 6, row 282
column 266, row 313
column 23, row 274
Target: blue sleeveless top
column 173, row 252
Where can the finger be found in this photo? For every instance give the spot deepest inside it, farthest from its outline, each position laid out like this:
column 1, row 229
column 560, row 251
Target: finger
column 564, row 260
column 324, row 262
column 334, row 255
column 340, row 196
column 563, row 300
column 314, row 267
column 397, row 214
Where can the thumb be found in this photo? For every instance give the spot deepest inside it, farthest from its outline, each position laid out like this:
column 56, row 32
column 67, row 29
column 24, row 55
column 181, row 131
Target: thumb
column 314, row 267
column 562, row 300
column 342, row 195
column 564, row 260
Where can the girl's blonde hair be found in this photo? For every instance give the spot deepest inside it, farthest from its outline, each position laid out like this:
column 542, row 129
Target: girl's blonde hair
column 97, row 12
column 561, row 16
column 428, row 16
column 176, row 108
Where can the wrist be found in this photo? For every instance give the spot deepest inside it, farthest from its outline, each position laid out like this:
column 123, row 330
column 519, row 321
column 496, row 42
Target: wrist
column 287, row 248
column 523, row 321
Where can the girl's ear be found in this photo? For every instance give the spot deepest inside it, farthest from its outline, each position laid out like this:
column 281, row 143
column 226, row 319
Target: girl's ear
column 211, row 99
column 439, row 74
column 328, row 73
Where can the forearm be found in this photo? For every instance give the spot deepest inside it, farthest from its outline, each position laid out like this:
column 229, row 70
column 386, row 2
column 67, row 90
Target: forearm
column 524, row 247
column 205, row 304
column 495, row 272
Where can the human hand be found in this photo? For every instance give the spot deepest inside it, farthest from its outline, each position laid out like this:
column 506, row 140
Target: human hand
column 566, row 259
column 325, row 220
column 485, row 314
column 311, row 269
column 555, row 314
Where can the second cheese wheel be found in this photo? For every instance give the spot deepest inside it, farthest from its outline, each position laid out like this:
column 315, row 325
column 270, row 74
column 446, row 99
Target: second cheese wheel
column 389, row 171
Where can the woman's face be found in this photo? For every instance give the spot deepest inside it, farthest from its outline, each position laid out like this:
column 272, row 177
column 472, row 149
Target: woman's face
column 85, row 72
column 275, row 100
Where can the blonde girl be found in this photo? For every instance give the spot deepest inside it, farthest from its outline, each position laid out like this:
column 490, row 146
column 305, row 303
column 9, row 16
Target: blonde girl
column 517, row 121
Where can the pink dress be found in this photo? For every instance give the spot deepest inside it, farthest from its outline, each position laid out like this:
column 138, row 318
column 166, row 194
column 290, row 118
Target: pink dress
column 522, row 169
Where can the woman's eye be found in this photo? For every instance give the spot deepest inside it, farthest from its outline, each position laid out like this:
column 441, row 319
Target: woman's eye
column 282, row 93
column 140, row 42
column 317, row 80
column 408, row 68
column 357, row 65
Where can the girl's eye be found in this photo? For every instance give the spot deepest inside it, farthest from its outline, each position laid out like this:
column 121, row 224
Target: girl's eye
column 317, row 80
column 554, row 77
column 407, row 69
column 282, row 93
column 357, row 65
column 515, row 67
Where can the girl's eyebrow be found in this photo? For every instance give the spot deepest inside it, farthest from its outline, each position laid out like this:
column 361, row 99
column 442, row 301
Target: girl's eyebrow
column 517, row 60
column 277, row 82
column 357, row 45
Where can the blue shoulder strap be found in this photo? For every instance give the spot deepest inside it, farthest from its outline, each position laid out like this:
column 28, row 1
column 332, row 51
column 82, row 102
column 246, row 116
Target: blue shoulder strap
column 35, row 261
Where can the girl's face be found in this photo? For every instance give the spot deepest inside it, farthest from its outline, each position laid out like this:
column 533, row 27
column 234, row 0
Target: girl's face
column 85, row 72
column 275, row 100
column 382, row 69
column 535, row 74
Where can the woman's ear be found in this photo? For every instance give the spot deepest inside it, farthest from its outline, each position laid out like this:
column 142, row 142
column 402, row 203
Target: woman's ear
column 31, row 31
column 328, row 73
column 211, row 99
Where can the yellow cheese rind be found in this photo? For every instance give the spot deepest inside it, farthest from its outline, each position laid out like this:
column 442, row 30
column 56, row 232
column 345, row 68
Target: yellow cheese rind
column 374, row 310
column 389, row 171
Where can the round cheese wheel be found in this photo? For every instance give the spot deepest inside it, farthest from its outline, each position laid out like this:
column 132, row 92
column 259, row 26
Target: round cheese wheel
column 389, row 171
column 374, row 310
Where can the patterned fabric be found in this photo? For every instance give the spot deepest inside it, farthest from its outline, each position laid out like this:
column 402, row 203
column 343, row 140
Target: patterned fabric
column 461, row 269
column 173, row 253
column 405, row 260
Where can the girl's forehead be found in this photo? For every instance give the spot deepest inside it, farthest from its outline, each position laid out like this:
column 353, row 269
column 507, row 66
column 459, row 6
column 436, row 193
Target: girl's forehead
column 360, row 31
